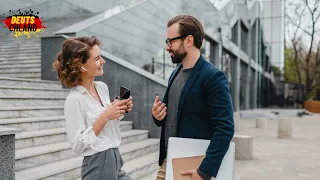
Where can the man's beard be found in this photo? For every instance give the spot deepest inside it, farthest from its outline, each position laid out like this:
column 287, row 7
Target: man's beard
column 178, row 55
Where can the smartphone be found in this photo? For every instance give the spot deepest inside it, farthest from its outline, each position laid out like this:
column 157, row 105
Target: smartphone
column 124, row 92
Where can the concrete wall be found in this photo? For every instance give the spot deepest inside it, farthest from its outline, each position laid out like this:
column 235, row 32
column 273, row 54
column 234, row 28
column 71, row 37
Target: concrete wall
column 99, row 5
column 91, row 6
column 6, row 5
column 47, row 9
column 3, row 31
column 143, row 91
column 65, row 9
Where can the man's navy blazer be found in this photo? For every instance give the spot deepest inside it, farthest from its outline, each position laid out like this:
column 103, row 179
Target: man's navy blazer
column 204, row 112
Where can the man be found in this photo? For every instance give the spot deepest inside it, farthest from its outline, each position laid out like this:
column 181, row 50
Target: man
column 197, row 103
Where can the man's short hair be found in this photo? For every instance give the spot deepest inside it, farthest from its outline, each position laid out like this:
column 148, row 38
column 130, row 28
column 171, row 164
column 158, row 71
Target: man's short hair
column 189, row 25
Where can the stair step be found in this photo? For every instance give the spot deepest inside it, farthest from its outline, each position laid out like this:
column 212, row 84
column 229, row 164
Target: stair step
column 50, row 169
column 19, row 66
column 24, row 46
column 32, row 76
column 138, row 148
column 46, row 136
column 31, row 100
column 39, row 155
column 9, row 81
column 47, row 122
column 35, row 156
column 152, row 175
column 33, row 57
column 40, row 137
column 20, row 70
column 19, row 41
column 70, row 168
column 141, row 166
column 9, row 39
column 133, row 136
column 38, row 50
column 29, row 91
column 10, row 55
column 19, row 48
column 34, row 123
column 30, row 111
column 11, row 63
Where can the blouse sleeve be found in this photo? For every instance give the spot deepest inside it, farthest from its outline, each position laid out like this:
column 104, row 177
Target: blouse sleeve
column 79, row 136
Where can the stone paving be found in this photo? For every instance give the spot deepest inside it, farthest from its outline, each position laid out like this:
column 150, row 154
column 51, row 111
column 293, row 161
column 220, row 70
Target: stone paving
column 297, row 158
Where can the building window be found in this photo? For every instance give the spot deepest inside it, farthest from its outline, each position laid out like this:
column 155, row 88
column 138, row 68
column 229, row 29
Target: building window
column 234, row 34
column 244, row 38
column 205, row 50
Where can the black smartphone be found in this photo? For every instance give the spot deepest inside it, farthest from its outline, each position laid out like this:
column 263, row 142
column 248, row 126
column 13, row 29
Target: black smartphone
column 124, row 92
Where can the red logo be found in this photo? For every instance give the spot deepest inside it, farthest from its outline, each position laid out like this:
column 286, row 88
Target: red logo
column 26, row 23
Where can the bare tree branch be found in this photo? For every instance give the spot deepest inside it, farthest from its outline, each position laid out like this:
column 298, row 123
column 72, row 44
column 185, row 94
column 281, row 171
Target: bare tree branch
column 317, row 18
column 299, row 27
column 316, row 7
column 315, row 86
column 295, row 48
column 318, row 56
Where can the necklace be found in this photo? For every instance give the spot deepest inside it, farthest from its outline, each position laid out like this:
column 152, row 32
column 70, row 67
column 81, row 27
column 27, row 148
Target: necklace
column 99, row 99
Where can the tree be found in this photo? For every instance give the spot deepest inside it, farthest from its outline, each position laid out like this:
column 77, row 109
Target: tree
column 290, row 71
column 303, row 46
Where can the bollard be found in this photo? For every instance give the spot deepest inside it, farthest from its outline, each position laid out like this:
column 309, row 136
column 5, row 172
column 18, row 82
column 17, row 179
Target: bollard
column 285, row 126
column 261, row 122
column 243, row 147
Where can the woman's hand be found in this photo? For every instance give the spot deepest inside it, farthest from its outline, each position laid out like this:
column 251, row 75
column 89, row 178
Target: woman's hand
column 116, row 109
column 129, row 104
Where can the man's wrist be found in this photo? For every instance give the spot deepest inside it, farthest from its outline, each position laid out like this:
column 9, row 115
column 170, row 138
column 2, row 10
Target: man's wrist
column 203, row 175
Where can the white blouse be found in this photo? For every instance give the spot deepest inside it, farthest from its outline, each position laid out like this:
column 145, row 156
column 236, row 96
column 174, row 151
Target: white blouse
column 81, row 110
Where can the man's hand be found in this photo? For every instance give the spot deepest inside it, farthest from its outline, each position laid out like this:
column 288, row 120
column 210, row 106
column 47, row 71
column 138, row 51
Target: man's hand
column 159, row 109
column 193, row 173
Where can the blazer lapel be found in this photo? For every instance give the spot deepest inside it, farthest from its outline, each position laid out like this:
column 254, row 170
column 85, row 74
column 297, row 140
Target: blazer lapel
column 194, row 73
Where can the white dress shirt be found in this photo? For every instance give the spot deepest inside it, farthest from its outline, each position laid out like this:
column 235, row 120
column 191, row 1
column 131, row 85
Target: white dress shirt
column 81, row 110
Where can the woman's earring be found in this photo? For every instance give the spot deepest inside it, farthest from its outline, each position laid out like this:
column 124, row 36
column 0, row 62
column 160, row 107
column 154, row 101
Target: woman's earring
column 84, row 69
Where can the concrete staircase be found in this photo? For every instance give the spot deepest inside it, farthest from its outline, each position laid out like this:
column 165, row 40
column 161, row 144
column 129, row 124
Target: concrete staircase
column 20, row 58
column 36, row 107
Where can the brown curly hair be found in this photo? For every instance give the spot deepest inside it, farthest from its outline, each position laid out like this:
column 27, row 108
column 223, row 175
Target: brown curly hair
column 74, row 52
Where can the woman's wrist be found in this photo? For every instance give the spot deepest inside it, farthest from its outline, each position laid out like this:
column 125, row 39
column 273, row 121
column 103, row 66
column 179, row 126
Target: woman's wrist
column 104, row 117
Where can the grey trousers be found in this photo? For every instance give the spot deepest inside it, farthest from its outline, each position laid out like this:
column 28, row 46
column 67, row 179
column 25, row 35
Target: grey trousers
column 105, row 165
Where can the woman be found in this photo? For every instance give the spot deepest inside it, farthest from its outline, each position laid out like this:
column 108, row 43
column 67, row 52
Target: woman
column 92, row 121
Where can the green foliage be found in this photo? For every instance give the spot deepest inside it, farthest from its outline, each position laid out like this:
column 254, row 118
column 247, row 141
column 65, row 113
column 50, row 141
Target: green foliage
column 290, row 70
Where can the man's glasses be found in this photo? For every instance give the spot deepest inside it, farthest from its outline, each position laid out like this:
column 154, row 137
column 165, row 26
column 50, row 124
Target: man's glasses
column 169, row 41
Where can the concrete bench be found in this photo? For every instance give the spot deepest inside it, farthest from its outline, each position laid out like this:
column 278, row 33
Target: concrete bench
column 285, row 126
column 243, row 147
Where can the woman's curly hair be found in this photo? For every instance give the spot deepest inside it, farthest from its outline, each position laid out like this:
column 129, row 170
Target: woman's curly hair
column 74, row 52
